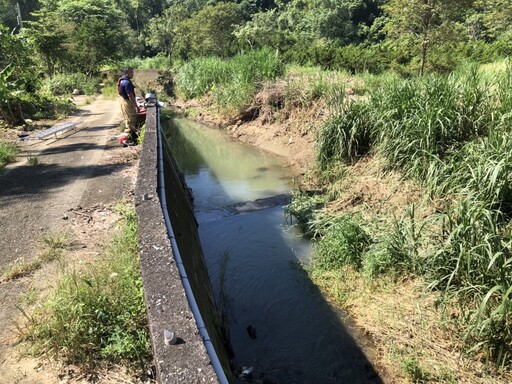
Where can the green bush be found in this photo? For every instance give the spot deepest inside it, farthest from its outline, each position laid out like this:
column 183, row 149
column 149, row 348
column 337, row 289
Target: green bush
column 353, row 58
column 8, row 153
column 362, row 58
column 303, row 208
column 42, row 106
column 344, row 243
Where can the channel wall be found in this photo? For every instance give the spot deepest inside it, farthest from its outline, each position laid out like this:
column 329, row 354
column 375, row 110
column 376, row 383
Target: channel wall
column 177, row 289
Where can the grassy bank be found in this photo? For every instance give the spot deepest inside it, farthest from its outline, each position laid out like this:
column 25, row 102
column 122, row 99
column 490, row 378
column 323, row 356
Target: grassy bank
column 96, row 315
column 231, row 83
column 448, row 138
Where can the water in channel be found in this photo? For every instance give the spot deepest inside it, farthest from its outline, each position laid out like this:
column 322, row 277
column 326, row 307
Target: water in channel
column 281, row 327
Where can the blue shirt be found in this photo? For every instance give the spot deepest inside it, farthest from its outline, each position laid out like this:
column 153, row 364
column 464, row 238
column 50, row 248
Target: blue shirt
column 124, row 87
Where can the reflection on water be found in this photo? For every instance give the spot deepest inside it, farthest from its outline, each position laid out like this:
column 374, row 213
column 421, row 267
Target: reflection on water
column 223, row 172
column 280, row 324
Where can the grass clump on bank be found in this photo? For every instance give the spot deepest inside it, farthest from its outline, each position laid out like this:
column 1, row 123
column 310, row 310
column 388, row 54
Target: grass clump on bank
column 96, row 314
column 8, row 154
column 233, row 82
column 451, row 136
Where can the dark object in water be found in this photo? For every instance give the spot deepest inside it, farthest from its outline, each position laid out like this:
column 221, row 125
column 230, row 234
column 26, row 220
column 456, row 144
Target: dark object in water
column 251, row 331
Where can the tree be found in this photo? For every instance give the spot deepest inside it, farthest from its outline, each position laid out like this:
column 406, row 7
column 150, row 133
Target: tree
column 496, row 16
column 18, row 74
column 18, row 55
column 46, row 37
column 162, row 29
column 262, row 30
column 209, row 32
column 138, row 13
column 81, row 35
column 420, row 24
column 331, row 22
column 9, row 11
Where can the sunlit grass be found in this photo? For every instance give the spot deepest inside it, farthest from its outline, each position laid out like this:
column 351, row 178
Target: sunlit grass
column 232, row 82
column 8, row 153
column 451, row 135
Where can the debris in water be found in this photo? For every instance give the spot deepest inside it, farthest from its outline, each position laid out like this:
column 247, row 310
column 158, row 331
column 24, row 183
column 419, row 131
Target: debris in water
column 251, row 331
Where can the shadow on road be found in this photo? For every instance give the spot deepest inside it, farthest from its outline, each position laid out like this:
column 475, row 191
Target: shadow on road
column 34, row 181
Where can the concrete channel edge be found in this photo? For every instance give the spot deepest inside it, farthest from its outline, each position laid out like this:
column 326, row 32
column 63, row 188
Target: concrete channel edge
column 186, row 361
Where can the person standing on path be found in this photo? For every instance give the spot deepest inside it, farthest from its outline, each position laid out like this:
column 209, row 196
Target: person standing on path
column 128, row 101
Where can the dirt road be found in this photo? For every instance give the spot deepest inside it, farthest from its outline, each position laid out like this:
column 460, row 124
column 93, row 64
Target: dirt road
column 71, row 189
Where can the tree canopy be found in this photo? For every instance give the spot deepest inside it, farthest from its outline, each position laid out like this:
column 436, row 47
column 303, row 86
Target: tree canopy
column 417, row 35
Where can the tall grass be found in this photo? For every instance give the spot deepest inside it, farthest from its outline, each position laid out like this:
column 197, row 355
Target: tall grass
column 232, row 82
column 472, row 264
column 481, row 170
column 305, row 85
column 396, row 248
column 452, row 135
column 346, row 135
column 419, row 120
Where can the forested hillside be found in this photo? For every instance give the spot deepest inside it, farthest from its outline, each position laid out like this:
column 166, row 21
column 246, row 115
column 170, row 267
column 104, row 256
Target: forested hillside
column 411, row 36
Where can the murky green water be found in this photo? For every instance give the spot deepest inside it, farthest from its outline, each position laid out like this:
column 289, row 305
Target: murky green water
column 253, row 259
column 222, row 172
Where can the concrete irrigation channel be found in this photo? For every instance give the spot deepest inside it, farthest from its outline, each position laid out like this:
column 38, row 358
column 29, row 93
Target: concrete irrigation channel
column 298, row 337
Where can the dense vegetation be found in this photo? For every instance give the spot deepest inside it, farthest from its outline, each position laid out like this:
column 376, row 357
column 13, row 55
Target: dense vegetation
column 96, row 315
column 451, row 134
column 85, row 36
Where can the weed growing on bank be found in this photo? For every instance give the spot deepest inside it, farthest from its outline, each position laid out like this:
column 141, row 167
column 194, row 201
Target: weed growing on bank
column 55, row 243
column 8, row 154
column 33, row 160
column 96, row 314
